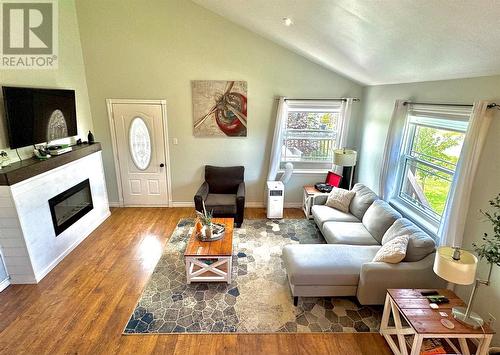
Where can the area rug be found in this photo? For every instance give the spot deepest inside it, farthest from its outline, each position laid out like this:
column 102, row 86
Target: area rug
column 257, row 301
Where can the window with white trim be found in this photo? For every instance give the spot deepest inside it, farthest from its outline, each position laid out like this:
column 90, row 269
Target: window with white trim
column 312, row 132
column 432, row 144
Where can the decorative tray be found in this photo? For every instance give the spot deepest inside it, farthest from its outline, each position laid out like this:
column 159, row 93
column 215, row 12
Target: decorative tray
column 217, row 233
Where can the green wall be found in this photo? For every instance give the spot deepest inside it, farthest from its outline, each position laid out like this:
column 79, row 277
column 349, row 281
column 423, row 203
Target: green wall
column 69, row 75
column 152, row 50
column 378, row 103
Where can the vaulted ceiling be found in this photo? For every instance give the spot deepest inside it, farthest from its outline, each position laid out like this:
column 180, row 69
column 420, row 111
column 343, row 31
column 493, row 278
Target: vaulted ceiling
column 380, row 41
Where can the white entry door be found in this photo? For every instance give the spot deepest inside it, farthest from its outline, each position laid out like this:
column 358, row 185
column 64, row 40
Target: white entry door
column 140, row 145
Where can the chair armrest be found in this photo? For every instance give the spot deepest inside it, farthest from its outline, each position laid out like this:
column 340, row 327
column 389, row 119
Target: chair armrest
column 319, row 199
column 376, row 277
column 241, row 191
column 240, row 205
column 201, row 195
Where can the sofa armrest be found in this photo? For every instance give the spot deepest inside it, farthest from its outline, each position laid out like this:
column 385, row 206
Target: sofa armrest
column 319, row 199
column 201, row 195
column 376, row 277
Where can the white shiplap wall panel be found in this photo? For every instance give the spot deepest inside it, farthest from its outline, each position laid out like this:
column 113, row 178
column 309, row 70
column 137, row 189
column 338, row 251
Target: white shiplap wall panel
column 27, row 236
column 14, row 250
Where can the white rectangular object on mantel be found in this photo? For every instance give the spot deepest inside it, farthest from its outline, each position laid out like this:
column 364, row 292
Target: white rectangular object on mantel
column 30, row 245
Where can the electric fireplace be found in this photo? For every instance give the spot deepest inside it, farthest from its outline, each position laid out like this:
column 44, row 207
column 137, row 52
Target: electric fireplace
column 70, row 205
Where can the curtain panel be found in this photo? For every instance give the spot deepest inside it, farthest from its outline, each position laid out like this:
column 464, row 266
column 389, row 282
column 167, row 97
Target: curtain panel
column 274, row 162
column 392, row 150
column 454, row 216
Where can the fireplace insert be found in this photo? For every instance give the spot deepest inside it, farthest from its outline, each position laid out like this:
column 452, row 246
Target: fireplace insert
column 70, row 205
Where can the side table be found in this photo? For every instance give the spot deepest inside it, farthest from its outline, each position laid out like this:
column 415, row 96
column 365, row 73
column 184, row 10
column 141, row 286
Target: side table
column 425, row 322
column 307, row 200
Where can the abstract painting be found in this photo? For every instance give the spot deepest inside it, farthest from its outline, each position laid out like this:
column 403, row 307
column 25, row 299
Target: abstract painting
column 219, row 108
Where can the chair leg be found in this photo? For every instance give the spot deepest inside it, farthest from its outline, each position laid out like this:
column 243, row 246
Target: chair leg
column 295, row 301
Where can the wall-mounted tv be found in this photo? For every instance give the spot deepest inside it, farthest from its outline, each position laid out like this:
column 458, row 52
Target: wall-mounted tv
column 39, row 115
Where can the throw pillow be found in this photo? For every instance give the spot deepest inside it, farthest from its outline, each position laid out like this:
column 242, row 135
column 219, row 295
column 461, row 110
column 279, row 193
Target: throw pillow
column 340, row 199
column 394, row 251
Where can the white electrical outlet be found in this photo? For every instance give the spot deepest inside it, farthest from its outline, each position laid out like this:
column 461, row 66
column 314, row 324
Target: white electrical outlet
column 491, row 320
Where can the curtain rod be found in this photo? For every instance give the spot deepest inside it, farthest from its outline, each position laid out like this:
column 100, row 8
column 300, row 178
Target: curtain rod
column 492, row 105
column 355, row 99
column 434, row 104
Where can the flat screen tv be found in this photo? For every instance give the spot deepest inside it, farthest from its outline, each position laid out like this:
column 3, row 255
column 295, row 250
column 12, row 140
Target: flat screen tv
column 39, row 115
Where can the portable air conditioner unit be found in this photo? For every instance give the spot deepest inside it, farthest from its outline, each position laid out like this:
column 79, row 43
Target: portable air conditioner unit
column 275, row 199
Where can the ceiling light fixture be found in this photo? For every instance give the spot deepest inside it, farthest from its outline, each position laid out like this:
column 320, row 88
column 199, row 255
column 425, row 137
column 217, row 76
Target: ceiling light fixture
column 287, row 21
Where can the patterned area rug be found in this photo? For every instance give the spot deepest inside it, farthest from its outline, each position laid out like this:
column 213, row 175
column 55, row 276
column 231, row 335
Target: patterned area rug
column 257, row 301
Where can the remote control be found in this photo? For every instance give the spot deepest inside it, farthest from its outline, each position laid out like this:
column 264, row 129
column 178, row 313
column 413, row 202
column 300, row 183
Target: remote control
column 429, row 293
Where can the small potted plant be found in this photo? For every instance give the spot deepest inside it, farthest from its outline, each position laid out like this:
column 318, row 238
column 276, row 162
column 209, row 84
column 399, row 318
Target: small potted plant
column 205, row 219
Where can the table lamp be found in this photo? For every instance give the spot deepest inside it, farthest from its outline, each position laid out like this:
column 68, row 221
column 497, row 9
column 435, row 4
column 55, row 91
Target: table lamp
column 345, row 157
column 459, row 266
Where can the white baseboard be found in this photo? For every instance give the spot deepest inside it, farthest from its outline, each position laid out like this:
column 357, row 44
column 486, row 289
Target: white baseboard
column 22, row 280
column 4, row 284
column 249, row 204
column 254, row 204
column 182, row 204
column 40, row 275
column 115, row 204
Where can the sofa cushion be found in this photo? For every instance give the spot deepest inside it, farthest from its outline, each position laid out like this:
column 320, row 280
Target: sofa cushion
column 319, row 264
column 221, row 203
column 322, row 214
column 363, row 199
column 379, row 217
column 394, row 251
column 420, row 244
column 351, row 233
column 340, row 199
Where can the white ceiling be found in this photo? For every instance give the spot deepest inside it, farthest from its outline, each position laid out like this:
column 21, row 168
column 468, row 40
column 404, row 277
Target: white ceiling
column 380, row 41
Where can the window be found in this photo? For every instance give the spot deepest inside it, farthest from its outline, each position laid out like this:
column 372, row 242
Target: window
column 432, row 144
column 140, row 143
column 311, row 133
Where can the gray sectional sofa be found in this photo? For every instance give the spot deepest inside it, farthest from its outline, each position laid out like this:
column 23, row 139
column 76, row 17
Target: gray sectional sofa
column 344, row 266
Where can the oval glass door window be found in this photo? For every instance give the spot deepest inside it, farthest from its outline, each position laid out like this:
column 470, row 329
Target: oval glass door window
column 140, row 143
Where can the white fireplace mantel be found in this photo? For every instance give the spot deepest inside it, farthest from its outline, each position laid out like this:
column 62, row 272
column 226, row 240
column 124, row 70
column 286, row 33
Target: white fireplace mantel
column 28, row 241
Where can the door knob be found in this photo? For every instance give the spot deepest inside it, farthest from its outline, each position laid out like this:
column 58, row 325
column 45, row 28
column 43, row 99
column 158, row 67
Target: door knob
column 162, row 165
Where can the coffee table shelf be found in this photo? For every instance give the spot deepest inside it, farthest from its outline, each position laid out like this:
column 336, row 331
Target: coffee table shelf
column 210, row 261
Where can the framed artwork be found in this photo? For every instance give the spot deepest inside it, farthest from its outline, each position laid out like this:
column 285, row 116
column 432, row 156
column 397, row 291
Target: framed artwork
column 219, row 108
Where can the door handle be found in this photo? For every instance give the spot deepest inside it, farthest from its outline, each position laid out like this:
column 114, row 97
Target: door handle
column 162, row 165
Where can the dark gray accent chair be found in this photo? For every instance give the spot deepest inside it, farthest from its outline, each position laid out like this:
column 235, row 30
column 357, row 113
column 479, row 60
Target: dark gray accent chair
column 223, row 192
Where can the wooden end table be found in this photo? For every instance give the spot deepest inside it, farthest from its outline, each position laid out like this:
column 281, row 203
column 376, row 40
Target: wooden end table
column 425, row 322
column 307, row 200
column 210, row 261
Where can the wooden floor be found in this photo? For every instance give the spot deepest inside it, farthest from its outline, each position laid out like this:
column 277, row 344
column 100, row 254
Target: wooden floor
column 82, row 306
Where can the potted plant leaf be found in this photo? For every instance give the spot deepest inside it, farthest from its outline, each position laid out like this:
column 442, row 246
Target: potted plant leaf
column 489, row 249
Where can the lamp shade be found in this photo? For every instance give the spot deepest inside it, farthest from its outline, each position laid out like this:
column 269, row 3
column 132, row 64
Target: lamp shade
column 344, row 157
column 461, row 271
